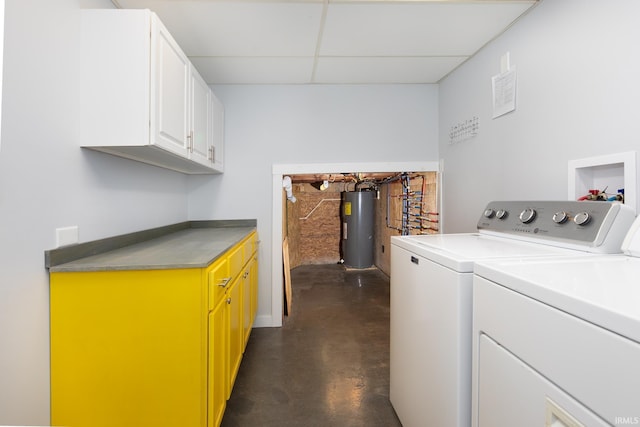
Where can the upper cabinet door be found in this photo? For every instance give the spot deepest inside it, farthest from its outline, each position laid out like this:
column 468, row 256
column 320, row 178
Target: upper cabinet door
column 169, row 92
column 201, row 120
column 114, row 80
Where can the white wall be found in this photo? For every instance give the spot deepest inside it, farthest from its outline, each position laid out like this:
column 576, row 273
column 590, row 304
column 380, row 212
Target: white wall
column 47, row 181
column 577, row 65
column 267, row 125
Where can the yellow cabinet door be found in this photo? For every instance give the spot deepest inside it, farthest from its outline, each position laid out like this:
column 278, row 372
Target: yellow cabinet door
column 128, row 349
column 234, row 301
column 218, row 354
column 253, row 275
column 249, row 297
column 246, row 306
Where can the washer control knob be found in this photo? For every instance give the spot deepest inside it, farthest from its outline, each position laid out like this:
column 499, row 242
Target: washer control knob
column 527, row 215
column 582, row 218
column 489, row 213
column 560, row 217
column 502, row 214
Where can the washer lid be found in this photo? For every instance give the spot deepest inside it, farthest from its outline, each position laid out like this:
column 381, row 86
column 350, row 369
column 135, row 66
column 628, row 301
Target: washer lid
column 459, row 252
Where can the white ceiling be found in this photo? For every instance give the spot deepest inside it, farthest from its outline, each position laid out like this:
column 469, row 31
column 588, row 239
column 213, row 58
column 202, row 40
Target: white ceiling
column 331, row 41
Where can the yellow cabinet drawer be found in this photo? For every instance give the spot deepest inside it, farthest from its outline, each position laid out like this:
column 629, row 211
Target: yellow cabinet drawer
column 236, row 260
column 254, row 243
column 250, row 247
column 218, row 279
column 248, row 250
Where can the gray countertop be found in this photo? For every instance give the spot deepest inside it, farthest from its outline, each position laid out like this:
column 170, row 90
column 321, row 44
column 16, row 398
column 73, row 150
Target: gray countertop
column 188, row 247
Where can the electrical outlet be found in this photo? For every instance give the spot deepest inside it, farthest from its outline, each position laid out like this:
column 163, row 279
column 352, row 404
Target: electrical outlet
column 66, row 236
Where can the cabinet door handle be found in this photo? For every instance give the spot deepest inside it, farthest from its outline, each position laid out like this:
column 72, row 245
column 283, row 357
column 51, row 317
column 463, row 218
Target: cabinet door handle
column 228, row 300
column 224, row 282
column 415, row 260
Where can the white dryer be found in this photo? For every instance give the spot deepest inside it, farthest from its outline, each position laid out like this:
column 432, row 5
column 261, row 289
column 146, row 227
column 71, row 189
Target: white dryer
column 431, row 295
column 557, row 340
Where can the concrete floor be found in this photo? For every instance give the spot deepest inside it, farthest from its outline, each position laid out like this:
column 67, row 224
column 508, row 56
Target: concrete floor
column 328, row 365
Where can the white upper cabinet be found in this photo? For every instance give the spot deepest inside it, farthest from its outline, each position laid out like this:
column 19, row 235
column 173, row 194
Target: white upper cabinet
column 141, row 98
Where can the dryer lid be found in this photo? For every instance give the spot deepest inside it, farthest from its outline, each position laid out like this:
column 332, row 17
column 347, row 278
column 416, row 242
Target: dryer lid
column 631, row 243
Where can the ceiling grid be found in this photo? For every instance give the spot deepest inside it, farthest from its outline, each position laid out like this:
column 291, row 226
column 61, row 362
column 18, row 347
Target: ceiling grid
column 331, row 41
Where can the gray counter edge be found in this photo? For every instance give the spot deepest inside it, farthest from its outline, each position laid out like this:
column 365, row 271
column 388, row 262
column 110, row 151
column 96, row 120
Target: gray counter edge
column 70, row 253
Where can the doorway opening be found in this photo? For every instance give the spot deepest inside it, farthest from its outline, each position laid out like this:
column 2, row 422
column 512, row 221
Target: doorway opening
column 406, row 202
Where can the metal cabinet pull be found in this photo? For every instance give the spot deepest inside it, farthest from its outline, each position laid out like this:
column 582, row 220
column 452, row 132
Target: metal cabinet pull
column 224, row 282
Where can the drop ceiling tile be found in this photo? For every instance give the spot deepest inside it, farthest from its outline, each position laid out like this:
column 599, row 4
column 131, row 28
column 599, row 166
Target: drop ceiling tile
column 384, row 69
column 239, row 28
column 414, row 29
column 231, row 70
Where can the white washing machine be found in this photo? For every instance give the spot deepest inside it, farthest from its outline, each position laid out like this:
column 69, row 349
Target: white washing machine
column 557, row 340
column 431, row 295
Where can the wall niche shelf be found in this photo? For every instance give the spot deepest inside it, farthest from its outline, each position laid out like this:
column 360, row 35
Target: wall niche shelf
column 610, row 172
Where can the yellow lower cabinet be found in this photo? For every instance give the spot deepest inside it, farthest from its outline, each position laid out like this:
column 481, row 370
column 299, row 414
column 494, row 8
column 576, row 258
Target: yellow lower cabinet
column 218, row 360
column 149, row 348
column 128, row 348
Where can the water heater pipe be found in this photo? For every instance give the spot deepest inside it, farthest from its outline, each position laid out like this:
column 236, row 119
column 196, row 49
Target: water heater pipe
column 286, row 184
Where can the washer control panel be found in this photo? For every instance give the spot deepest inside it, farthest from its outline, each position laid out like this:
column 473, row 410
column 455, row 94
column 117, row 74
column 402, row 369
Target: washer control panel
column 587, row 223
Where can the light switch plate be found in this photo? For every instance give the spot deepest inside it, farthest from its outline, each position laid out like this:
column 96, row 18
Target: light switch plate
column 66, row 236
column 505, row 63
